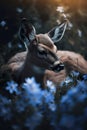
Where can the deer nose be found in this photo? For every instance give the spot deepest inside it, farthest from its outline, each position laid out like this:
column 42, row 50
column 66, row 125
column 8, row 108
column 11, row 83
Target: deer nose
column 57, row 66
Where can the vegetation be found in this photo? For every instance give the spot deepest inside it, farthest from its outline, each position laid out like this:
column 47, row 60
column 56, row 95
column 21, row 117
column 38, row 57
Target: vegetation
column 32, row 108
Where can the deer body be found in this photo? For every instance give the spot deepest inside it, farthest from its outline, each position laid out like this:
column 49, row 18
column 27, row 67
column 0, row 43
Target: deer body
column 72, row 61
column 43, row 60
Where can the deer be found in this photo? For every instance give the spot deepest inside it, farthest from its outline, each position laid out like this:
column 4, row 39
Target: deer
column 38, row 57
column 42, row 59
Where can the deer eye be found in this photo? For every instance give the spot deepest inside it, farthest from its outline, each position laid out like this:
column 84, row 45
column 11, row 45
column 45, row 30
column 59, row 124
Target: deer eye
column 42, row 53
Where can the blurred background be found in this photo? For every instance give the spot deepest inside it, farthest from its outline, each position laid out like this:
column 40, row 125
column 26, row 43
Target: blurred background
column 44, row 15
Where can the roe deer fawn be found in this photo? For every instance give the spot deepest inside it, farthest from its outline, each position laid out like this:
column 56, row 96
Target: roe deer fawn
column 42, row 59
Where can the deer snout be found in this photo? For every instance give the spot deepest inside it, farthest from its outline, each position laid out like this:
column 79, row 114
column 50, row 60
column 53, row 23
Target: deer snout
column 57, row 66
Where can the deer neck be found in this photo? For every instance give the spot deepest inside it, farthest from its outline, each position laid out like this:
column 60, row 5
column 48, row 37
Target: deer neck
column 29, row 69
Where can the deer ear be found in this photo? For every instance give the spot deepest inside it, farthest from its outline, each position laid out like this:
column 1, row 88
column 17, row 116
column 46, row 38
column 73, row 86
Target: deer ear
column 26, row 32
column 57, row 33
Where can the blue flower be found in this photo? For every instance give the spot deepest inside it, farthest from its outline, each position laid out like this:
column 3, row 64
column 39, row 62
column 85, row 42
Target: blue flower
column 12, row 87
column 31, row 86
column 77, row 94
column 36, row 99
column 51, row 86
column 33, row 91
column 49, row 99
column 73, row 92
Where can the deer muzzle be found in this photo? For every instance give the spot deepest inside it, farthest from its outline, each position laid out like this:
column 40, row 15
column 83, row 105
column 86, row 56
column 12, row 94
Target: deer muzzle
column 57, row 66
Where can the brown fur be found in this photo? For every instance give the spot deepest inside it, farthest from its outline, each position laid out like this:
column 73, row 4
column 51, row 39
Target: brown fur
column 20, row 64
